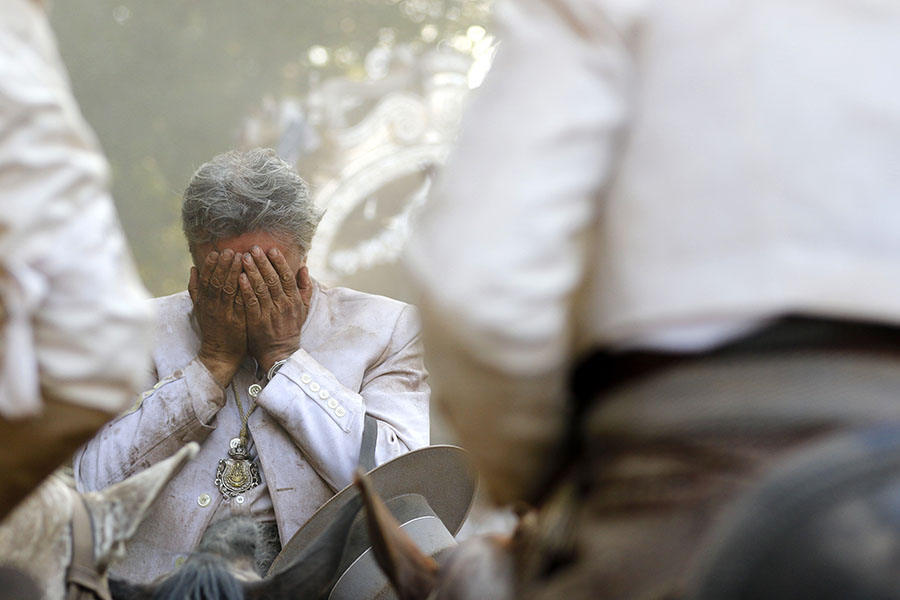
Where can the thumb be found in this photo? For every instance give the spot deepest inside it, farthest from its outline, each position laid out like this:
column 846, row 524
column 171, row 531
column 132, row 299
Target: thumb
column 194, row 284
column 304, row 284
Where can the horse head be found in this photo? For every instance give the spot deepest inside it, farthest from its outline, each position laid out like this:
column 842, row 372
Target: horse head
column 36, row 538
column 226, row 566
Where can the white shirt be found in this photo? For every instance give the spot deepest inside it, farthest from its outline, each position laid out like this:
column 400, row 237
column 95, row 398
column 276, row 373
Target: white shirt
column 632, row 167
column 75, row 320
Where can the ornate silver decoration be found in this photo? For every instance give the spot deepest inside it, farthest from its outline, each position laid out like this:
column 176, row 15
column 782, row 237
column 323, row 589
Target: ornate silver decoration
column 237, row 474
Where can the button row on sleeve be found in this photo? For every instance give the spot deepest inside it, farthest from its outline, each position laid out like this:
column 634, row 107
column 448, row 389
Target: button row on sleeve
column 314, row 387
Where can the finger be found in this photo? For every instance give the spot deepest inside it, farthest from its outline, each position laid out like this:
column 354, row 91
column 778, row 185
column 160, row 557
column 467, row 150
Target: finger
column 257, row 283
column 209, row 265
column 251, row 303
column 230, row 287
column 220, row 272
column 237, row 309
column 304, row 285
column 193, row 282
column 209, row 297
column 286, row 277
column 268, row 272
column 232, row 310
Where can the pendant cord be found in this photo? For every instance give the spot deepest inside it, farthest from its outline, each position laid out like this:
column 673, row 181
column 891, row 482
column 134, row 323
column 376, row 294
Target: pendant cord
column 238, row 473
column 245, row 418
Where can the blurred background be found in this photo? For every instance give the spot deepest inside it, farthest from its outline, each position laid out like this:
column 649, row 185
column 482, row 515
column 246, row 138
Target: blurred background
column 363, row 96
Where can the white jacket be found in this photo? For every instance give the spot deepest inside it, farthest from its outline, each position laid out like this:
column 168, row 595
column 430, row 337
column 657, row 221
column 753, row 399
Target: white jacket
column 635, row 165
column 75, row 323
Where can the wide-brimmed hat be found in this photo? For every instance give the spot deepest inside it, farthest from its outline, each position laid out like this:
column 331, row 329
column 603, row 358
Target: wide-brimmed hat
column 429, row 491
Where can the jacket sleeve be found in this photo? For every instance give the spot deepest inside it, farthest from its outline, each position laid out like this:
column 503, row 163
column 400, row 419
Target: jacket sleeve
column 75, row 323
column 180, row 408
column 326, row 419
column 501, row 248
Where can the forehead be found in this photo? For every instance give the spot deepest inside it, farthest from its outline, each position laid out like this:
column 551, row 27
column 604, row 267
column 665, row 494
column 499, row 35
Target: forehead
column 246, row 241
column 243, row 243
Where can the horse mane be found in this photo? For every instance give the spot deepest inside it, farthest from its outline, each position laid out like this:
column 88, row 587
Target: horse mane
column 202, row 577
column 243, row 543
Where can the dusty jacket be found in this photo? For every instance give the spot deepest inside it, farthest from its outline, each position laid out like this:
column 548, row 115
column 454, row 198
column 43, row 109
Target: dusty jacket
column 359, row 354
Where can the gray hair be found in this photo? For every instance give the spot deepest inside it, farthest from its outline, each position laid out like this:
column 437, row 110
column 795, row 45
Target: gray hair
column 243, row 192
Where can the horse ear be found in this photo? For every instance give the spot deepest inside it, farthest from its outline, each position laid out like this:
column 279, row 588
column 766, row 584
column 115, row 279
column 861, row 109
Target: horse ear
column 117, row 510
column 314, row 572
column 412, row 573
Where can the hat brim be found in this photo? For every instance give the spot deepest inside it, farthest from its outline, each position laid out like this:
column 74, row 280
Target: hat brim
column 444, row 475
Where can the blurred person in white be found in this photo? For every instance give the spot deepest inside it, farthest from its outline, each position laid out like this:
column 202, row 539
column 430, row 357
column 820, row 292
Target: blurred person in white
column 670, row 234
column 75, row 321
column 287, row 385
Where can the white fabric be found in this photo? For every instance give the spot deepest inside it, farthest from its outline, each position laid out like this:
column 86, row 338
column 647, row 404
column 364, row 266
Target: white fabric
column 631, row 166
column 358, row 354
column 75, row 321
column 703, row 335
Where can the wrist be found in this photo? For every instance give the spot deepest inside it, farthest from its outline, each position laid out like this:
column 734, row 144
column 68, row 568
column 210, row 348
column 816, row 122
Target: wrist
column 221, row 367
column 268, row 361
column 276, row 366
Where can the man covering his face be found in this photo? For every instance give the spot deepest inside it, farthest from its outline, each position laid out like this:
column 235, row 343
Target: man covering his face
column 286, row 384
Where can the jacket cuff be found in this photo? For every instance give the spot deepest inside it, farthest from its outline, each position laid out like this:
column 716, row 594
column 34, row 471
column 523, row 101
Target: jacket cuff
column 330, row 397
column 207, row 396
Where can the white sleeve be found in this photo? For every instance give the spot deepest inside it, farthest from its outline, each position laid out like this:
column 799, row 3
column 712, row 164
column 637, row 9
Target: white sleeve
column 76, row 318
column 326, row 419
column 500, row 249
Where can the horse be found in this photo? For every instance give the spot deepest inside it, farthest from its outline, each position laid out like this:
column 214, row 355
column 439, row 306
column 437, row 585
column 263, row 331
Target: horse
column 228, row 566
column 36, row 538
column 38, row 546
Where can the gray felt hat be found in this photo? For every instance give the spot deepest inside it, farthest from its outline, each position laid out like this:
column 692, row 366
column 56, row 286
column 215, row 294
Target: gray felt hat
column 429, row 491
